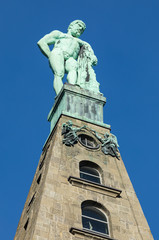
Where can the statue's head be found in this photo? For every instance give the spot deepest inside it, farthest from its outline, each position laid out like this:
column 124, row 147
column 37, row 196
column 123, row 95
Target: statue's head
column 76, row 28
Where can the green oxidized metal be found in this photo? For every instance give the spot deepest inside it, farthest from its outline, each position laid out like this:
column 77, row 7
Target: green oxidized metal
column 70, row 55
column 78, row 103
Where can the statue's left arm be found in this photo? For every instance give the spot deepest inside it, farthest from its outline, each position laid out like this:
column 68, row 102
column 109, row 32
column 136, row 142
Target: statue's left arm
column 89, row 52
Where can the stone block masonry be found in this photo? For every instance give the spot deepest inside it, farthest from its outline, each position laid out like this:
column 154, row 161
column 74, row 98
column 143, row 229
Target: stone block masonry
column 56, row 208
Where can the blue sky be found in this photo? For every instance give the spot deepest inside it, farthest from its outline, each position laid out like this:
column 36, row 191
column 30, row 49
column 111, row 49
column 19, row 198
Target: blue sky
column 125, row 38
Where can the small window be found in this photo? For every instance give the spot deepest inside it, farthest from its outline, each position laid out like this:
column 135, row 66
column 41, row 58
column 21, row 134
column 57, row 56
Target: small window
column 95, row 220
column 89, row 171
column 90, row 174
column 42, row 162
column 87, row 141
column 26, row 224
column 39, row 178
column 32, row 200
column 43, row 158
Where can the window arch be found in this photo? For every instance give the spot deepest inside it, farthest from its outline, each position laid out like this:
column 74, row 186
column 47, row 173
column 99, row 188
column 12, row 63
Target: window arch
column 94, row 218
column 90, row 171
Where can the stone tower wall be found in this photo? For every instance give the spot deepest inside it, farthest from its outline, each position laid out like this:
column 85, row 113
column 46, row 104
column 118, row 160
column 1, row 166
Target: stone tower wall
column 56, row 208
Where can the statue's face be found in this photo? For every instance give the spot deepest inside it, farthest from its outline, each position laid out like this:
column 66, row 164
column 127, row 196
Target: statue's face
column 77, row 30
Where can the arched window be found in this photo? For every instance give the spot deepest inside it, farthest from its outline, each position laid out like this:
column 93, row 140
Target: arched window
column 94, row 219
column 90, row 171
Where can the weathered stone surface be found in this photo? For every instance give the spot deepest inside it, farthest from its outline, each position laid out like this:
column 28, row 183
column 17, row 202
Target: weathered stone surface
column 57, row 204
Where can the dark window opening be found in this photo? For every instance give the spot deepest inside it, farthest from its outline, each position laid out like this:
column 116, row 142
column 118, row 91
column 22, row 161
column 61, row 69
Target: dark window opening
column 38, row 180
column 95, row 220
column 42, row 162
column 44, row 156
column 90, row 171
column 90, row 174
column 32, row 200
column 26, row 224
column 88, row 141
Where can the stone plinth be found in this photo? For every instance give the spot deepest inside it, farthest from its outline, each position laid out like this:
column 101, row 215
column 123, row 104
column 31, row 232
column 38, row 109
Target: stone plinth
column 79, row 103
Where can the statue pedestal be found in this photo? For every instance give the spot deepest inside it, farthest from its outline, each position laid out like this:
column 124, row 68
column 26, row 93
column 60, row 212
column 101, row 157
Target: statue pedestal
column 78, row 103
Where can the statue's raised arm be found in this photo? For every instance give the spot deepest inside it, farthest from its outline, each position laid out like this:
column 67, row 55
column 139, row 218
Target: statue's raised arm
column 63, row 58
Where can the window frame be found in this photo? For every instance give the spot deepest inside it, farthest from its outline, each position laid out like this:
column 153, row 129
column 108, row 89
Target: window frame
column 91, row 166
column 106, row 222
column 89, row 174
column 87, row 137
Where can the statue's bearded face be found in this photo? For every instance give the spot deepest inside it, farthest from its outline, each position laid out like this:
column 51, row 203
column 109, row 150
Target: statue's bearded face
column 77, row 30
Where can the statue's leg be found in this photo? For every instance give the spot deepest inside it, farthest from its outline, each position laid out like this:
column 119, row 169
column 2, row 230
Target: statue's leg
column 56, row 60
column 71, row 68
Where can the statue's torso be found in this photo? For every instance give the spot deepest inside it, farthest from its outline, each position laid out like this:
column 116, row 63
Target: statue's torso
column 69, row 45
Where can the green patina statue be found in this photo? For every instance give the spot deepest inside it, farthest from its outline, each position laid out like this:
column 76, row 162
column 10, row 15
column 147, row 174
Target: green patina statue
column 70, row 55
column 109, row 144
column 70, row 133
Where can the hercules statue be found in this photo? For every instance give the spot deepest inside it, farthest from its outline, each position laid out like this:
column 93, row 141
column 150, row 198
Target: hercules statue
column 67, row 55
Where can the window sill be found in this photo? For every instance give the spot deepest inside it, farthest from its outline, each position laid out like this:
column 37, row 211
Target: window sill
column 96, row 187
column 91, row 234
